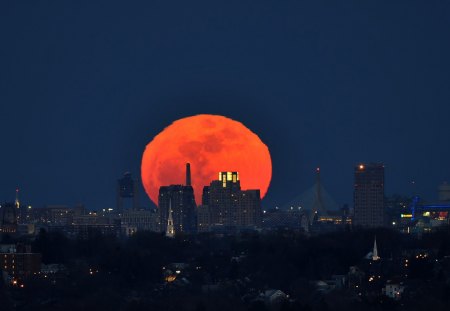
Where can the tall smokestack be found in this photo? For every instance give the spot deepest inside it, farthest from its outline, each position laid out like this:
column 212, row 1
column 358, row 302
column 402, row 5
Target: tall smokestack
column 188, row 174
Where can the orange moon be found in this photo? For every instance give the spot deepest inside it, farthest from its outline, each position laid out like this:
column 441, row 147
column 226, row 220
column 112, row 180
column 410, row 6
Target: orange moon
column 211, row 144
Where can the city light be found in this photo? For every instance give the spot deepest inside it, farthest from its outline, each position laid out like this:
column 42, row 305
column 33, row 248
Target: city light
column 110, row 136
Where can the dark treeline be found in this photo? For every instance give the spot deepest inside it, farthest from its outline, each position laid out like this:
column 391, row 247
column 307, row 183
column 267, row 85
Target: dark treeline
column 105, row 272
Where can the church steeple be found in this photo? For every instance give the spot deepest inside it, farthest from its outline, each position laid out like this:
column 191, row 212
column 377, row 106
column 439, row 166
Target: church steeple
column 170, row 230
column 375, row 256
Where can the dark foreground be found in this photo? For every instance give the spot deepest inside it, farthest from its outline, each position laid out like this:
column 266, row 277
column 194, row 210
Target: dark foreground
column 269, row 271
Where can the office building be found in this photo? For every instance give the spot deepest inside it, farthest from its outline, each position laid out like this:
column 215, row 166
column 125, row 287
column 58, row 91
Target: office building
column 225, row 207
column 127, row 190
column 369, row 195
column 8, row 217
column 181, row 200
column 18, row 260
column 141, row 220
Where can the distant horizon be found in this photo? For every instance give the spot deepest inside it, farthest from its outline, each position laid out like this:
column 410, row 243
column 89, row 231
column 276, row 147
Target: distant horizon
column 144, row 197
column 85, row 88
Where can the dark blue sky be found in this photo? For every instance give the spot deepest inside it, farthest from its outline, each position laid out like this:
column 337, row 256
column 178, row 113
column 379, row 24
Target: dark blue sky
column 85, row 85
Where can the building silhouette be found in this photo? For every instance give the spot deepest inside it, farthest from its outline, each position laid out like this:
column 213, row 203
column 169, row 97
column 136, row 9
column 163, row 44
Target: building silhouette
column 225, row 207
column 8, row 217
column 444, row 192
column 369, row 195
column 127, row 189
column 181, row 200
column 18, row 261
column 140, row 220
column 292, row 219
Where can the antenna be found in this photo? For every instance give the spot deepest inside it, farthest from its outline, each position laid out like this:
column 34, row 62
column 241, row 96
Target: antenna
column 318, row 203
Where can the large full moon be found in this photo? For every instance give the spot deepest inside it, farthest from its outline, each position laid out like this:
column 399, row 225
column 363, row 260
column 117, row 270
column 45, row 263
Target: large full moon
column 211, row 144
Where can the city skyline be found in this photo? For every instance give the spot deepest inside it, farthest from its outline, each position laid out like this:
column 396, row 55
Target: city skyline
column 141, row 200
column 319, row 89
column 225, row 155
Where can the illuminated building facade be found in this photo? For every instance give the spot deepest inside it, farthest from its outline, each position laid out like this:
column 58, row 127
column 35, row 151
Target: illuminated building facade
column 203, row 218
column 92, row 224
column 368, row 195
column 426, row 217
column 19, row 261
column 181, row 200
column 55, row 215
column 142, row 220
column 226, row 207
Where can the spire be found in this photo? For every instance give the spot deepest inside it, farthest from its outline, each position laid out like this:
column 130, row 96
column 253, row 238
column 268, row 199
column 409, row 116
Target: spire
column 375, row 251
column 188, row 174
column 17, row 202
column 170, row 231
column 318, row 204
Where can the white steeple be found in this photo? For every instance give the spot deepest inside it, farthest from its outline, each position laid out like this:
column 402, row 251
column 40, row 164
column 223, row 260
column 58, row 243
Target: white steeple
column 170, row 230
column 375, row 256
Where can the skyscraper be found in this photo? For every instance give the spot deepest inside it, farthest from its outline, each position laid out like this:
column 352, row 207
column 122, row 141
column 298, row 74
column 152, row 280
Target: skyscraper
column 127, row 188
column 181, row 200
column 8, row 217
column 369, row 195
column 228, row 208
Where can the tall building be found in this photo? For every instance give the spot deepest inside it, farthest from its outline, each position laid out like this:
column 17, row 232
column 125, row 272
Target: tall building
column 8, row 217
column 181, row 200
column 444, row 192
column 368, row 195
column 225, row 207
column 19, row 261
column 127, row 188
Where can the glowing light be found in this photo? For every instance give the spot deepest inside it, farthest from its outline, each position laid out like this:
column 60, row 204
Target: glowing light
column 170, row 278
column 211, row 144
column 361, row 166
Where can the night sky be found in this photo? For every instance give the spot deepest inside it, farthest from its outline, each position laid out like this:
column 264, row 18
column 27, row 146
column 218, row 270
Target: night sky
column 85, row 85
